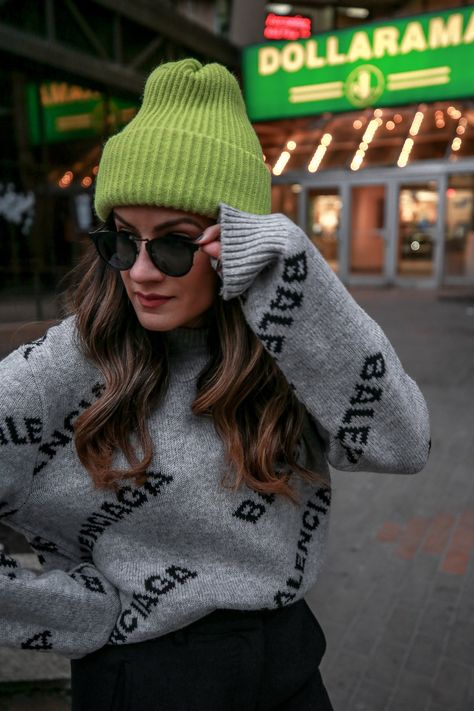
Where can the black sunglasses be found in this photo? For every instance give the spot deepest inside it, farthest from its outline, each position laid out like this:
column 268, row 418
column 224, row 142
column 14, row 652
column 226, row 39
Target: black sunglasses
column 172, row 254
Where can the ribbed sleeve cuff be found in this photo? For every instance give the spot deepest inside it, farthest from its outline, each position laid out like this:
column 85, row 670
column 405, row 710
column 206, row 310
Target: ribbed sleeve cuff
column 249, row 243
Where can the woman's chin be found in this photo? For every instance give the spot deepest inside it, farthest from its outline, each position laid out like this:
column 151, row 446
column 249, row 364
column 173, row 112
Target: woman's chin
column 158, row 322
column 155, row 322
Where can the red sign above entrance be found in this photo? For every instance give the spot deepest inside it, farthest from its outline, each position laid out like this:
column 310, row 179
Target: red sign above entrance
column 286, row 27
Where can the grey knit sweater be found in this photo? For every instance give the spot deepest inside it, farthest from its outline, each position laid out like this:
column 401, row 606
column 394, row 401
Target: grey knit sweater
column 123, row 567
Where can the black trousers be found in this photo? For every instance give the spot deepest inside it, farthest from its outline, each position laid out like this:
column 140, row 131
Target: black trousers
column 230, row 660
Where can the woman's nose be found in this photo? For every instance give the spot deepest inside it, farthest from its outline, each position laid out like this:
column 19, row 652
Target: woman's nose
column 143, row 269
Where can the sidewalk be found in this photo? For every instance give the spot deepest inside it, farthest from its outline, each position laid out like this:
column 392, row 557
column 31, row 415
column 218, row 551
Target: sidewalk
column 395, row 597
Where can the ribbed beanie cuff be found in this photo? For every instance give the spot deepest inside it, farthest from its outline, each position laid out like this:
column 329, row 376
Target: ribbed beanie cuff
column 190, row 147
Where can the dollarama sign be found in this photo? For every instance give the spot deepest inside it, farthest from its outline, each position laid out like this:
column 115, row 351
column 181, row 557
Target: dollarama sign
column 424, row 58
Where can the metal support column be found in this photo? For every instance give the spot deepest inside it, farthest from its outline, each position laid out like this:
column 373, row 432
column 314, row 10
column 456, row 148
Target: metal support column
column 345, row 232
column 392, row 219
column 438, row 266
column 302, row 209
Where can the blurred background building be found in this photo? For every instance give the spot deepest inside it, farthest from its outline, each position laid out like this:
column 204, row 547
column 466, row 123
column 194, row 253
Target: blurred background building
column 377, row 168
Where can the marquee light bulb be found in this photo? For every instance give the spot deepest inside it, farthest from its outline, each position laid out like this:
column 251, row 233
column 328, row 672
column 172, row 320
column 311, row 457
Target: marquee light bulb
column 416, row 123
column 281, row 163
column 405, row 152
column 319, row 153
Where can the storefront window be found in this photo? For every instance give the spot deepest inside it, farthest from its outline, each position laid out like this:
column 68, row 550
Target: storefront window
column 323, row 224
column 459, row 235
column 418, row 212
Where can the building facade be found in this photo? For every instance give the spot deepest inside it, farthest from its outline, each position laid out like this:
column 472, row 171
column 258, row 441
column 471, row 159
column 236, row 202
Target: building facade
column 71, row 74
column 368, row 130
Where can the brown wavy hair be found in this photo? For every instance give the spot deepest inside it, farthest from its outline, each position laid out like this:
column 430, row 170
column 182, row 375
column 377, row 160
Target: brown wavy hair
column 254, row 409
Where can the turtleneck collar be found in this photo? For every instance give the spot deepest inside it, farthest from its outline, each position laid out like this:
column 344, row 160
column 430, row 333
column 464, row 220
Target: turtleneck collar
column 187, row 339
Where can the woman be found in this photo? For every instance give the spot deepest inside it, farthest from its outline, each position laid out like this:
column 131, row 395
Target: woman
column 166, row 446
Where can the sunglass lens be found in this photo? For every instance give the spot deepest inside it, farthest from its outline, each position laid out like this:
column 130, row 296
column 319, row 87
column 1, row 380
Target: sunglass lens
column 172, row 254
column 117, row 249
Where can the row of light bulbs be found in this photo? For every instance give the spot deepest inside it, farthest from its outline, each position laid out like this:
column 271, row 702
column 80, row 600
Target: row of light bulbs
column 66, row 179
column 460, row 130
column 369, row 133
column 373, row 125
column 389, row 125
column 319, row 153
column 409, row 142
column 284, row 157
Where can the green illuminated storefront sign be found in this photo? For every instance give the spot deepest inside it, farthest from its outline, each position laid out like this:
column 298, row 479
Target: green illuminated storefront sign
column 424, row 58
column 58, row 111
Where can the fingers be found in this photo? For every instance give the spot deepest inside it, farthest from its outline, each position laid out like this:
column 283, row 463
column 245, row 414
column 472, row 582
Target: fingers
column 212, row 249
column 210, row 233
column 209, row 241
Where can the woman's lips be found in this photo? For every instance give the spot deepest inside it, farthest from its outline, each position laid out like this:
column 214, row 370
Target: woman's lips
column 152, row 300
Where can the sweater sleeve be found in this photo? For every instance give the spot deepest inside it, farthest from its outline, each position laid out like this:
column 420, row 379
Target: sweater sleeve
column 371, row 415
column 70, row 611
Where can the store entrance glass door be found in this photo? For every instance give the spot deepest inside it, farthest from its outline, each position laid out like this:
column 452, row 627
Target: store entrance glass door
column 324, row 217
column 367, row 221
column 459, row 230
column 417, row 229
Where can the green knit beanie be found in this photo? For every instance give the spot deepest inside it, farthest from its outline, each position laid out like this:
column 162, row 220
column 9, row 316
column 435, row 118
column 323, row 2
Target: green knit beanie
column 190, row 146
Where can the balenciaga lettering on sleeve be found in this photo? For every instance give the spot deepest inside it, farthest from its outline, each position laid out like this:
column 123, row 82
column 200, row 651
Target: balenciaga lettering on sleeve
column 354, row 431
column 286, row 300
